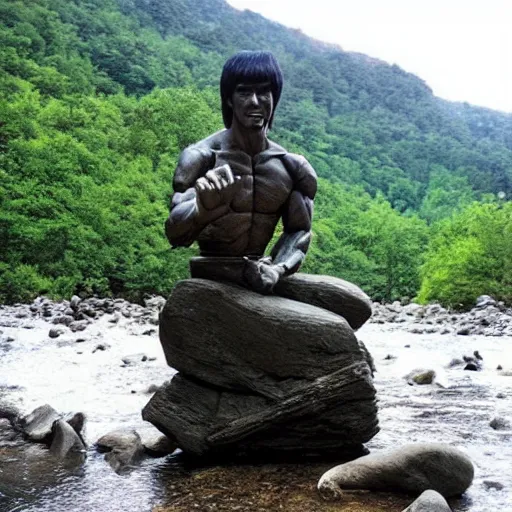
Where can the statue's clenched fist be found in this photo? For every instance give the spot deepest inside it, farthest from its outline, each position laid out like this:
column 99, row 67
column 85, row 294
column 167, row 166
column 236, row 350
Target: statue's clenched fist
column 217, row 187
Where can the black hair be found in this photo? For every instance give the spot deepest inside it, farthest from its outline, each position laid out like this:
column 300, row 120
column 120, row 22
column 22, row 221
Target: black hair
column 249, row 67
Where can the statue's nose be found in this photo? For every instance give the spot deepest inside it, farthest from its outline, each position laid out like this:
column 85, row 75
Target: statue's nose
column 253, row 99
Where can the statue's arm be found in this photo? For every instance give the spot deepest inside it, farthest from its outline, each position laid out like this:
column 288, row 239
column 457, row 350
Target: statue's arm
column 189, row 214
column 290, row 250
column 292, row 246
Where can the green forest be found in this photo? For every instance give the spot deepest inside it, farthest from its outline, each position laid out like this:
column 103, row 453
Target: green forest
column 98, row 98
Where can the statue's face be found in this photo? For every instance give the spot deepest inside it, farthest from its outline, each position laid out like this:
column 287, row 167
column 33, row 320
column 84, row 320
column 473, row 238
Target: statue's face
column 252, row 105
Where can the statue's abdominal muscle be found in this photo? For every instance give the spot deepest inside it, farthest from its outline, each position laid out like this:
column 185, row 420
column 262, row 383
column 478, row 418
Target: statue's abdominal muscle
column 247, row 228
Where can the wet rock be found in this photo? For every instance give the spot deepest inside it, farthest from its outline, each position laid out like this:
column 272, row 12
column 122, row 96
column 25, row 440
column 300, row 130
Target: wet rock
column 429, row 501
column 159, row 446
column 101, row 347
column 124, row 449
column 413, row 468
column 500, row 423
column 133, row 359
column 78, row 325
column 37, row 426
column 77, row 422
column 420, row 376
column 474, row 367
column 55, row 332
column 65, row 440
column 463, row 331
column 149, row 332
column 9, row 436
column 491, row 484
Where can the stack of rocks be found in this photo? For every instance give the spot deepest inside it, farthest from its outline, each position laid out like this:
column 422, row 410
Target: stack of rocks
column 278, row 374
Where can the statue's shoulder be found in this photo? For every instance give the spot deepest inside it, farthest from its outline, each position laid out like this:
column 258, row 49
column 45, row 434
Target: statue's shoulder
column 195, row 160
column 302, row 173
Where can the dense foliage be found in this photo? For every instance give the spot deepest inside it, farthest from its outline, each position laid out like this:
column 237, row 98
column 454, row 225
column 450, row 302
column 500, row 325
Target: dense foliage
column 99, row 97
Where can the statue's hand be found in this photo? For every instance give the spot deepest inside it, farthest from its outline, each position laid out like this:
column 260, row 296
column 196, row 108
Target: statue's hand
column 217, row 187
column 262, row 275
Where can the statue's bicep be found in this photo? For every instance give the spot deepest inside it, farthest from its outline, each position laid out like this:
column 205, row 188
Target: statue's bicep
column 298, row 212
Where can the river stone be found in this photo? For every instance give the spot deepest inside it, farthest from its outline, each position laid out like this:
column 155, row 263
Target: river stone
column 124, row 448
column 330, row 293
column 334, row 412
column 413, row 468
column 239, row 340
column 37, row 425
column 65, row 440
column 158, row 445
column 429, row 501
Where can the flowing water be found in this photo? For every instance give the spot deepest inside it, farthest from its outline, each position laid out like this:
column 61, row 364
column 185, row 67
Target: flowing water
column 71, row 376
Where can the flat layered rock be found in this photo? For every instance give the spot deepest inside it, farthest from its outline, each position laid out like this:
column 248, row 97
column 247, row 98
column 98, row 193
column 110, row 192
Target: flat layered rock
column 333, row 412
column 229, row 337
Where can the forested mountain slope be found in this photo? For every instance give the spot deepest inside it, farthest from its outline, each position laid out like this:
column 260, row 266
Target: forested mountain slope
column 99, row 97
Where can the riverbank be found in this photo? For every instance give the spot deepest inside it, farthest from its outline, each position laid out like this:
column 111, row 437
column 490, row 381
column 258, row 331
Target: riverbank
column 106, row 371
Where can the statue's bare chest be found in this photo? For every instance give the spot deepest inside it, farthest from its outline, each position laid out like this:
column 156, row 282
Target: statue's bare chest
column 266, row 184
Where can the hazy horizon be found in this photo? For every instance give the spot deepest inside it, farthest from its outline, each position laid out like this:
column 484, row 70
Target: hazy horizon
column 461, row 49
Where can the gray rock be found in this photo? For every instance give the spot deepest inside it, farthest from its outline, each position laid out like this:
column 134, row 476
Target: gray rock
column 124, row 449
column 334, row 412
column 65, row 440
column 413, row 468
column 491, row 484
column 330, row 293
column 78, row 325
column 484, row 301
column 420, row 376
column 429, row 501
column 500, row 423
column 75, row 302
column 77, row 423
column 159, row 446
column 55, row 332
column 101, row 347
column 133, row 359
column 37, row 425
column 262, row 344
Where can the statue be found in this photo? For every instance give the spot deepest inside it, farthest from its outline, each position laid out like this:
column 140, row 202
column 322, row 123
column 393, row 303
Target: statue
column 267, row 358
column 231, row 189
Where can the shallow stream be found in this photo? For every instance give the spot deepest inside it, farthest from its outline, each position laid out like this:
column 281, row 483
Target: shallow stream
column 71, row 376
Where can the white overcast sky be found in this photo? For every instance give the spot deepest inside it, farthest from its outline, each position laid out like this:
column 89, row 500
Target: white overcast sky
column 461, row 48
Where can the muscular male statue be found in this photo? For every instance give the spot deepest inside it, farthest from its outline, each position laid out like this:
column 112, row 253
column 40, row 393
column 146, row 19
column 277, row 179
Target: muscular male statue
column 231, row 189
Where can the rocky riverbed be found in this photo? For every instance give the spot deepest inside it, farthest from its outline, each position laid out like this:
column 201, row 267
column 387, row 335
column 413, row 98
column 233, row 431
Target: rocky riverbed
column 102, row 357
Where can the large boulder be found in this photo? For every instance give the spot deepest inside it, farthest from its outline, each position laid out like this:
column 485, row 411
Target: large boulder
column 265, row 374
column 238, row 340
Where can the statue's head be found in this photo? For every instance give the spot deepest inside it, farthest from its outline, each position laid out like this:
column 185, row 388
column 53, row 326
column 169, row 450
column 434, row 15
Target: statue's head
column 249, row 68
